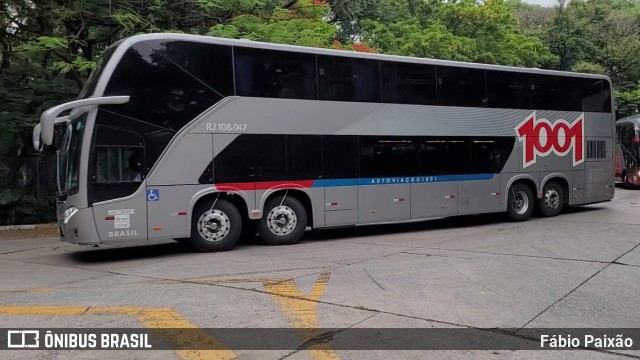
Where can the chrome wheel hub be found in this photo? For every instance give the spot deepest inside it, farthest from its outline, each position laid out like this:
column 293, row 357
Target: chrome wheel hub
column 282, row 220
column 520, row 203
column 214, row 225
column 552, row 199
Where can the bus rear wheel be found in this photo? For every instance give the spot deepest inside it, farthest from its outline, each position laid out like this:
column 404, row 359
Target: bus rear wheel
column 628, row 183
column 284, row 221
column 552, row 200
column 216, row 226
column 519, row 202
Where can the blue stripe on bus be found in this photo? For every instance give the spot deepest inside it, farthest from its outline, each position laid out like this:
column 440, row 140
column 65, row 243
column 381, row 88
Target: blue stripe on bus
column 401, row 180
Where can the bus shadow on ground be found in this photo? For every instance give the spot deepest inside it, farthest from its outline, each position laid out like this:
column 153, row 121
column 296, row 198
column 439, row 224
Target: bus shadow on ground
column 114, row 253
column 141, row 250
column 426, row 225
column 400, row 228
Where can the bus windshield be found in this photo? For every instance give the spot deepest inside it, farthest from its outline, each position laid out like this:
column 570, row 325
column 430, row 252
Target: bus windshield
column 69, row 163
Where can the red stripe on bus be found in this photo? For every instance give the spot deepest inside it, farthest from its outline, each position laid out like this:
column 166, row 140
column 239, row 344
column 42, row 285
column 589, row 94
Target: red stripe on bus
column 182, row 213
column 109, row 218
column 265, row 185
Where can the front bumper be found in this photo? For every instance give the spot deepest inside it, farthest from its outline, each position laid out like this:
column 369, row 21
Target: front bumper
column 80, row 228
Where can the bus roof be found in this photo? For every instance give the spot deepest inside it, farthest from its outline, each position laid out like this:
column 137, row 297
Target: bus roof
column 633, row 119
column 353, row 54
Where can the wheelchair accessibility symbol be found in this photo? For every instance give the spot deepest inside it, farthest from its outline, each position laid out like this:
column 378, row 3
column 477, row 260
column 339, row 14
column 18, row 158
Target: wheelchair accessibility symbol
column 153, row 194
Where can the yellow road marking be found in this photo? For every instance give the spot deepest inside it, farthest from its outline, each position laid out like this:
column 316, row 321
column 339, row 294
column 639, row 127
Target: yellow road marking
column 302, row 310
column 153, row 318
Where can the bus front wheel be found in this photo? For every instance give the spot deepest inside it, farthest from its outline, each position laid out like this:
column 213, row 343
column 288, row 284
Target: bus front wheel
column 283, row 222
column 216, row 226
column 520, row 202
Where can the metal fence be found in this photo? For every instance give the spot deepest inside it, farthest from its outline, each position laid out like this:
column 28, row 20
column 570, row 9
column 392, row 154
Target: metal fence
column 27, row 190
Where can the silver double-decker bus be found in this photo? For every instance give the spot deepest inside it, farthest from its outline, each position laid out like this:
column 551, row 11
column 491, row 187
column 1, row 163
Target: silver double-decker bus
column 200, row 139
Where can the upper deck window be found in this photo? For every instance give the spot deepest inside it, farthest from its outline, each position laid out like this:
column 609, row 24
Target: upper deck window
column 554, row 93
column 275, row 74
column 348, row 79
column 460, row 86
column 592, row 94
column 508, row 90
column 404, row 83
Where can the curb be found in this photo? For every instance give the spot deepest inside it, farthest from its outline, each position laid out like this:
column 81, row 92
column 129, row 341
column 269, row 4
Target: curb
column 29, row 227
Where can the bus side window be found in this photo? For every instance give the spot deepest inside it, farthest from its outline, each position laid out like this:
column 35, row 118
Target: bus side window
column 340, row 157
column 554, row 93
column 404, row 83
column 459, row 86
column 508, row 90
column 251, row 157
column 304, row 157
column 118, row 156
column 592, row 94
column 348, row 79
column 490, row 154
column 118, row 164
column 275, row 74
column 382, row 156
column 444, row 155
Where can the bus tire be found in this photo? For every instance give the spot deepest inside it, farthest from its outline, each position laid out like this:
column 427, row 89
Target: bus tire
column 628, row 184
column 284, row 221
column 519, row 202
column 552, row 200
column 215, row 226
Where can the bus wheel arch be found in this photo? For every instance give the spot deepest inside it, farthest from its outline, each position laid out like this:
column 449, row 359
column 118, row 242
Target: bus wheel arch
column 555, row 196
column 520, row 200
column 285, row 217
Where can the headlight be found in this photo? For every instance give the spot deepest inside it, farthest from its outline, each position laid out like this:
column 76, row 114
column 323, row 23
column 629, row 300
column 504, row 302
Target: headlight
column 69, row 213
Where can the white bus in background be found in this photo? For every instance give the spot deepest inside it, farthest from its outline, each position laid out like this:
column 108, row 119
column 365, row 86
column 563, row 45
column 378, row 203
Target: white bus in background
column 198, row 138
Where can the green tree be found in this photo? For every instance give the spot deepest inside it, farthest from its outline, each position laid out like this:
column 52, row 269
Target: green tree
column 459, row 30
column 299, row 23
